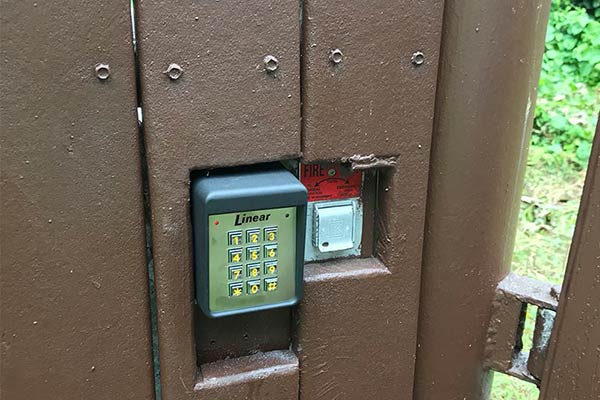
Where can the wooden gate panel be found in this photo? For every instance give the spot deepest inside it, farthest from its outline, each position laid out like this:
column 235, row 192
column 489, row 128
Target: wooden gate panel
column 489, row 69
column 357, row 324
column 224, row 109
column 572, row 368
column 356, row 327
column 378, row 99
column 73, row 280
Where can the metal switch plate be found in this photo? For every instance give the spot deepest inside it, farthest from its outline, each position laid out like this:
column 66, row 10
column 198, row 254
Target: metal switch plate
column 333, row 227
column 238, row 271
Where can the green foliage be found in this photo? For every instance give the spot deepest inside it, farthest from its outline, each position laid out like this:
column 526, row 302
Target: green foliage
column 569, row 90
column 591, row 6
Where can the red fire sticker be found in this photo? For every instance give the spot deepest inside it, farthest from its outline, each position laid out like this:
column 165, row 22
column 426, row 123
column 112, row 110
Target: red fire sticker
column 330, row 182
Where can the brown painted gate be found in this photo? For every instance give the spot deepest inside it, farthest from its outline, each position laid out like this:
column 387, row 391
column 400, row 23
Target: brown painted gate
column 433, row 101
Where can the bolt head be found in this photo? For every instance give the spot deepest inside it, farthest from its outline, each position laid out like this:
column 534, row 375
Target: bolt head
column 271, row 63
column 174, row 71
column 336, row 56
column 418, row 58
column 102, row 71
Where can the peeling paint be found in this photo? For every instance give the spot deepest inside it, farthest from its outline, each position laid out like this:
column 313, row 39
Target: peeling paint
column 361, row 162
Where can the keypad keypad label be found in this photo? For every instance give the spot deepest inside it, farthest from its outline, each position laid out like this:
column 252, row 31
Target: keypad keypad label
column 271, row 251
column 253, row 287
column 236, row 289
column 253, row 235
column 253, row 270
column 252, row 253
column 270, row 234
column 235, row 238
column 270, row 267
column 271, row 284
column 235, row 255
column 236, row 272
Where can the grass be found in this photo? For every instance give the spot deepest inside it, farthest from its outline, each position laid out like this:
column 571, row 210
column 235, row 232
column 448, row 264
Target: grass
column 549, row 206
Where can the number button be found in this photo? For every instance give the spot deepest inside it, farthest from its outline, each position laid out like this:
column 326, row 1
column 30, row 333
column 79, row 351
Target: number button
column 253, row 270
column 271, row 284
column 270, row 267
column 253, row 253
column 271, row 234
column 253, row 287
column 236, row 289
column 271, row 251
column 235, row 238
column 235, row 272
column 235, row 255
column 252, row 235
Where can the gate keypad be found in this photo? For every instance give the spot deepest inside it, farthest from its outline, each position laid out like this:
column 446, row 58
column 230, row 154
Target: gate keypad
column 252, row 254
column 249, row 229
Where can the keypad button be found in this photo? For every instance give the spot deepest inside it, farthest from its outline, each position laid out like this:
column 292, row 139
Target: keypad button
column 236, row 272
column 271, row 284
column 270, row 234
column 253, row 253
column 236, row 289
column 253, row 235
column 271, row 251
column 270, row 267
column 235, row 255
column 253, row 287
column 234, row 238
column 252, row 270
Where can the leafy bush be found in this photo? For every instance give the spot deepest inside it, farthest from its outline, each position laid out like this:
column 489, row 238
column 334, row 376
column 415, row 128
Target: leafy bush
column 591, row 6
column 569, row 91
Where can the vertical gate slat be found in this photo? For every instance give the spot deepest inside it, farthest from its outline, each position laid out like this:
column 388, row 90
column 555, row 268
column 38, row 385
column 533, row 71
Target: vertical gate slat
column 490, row 61
column 572, row 368
column 225, row 109
column 356, row 326
column 73, row 280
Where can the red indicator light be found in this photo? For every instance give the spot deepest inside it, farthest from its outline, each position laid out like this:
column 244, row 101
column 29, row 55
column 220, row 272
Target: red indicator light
column 216, row 222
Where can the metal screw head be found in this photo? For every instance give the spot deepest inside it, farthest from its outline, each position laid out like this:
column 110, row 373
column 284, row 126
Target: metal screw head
column 336, row 56
column 174, row 71
column 418, row 58
column 102, row 71
column 271, row 63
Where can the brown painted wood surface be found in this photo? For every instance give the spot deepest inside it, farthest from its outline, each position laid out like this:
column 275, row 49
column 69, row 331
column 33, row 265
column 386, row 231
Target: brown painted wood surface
column 74, row 315
column 356, row 327
column 375, row 101
column 224, row 110
column 490, row 61
column 572, row 370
